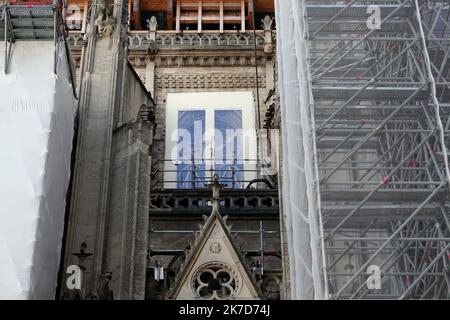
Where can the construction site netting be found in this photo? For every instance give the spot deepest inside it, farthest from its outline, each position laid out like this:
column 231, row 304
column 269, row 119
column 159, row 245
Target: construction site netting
column 300, row 197
column 37, row 111
column 364, row 94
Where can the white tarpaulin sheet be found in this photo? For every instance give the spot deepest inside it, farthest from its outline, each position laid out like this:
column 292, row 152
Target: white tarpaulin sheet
column 300, row 197
column 37, row 111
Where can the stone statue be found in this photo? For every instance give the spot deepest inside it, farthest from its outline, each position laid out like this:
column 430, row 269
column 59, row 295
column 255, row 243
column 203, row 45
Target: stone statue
column 267, row 23
column 152, row 23
column 108, row 27
column 104, row 21
column 99, row 20
column 100, row 14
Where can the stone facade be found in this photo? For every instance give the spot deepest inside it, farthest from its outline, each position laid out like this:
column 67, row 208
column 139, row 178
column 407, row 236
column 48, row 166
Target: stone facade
column 126, row 239
column 205, row 70
column 110, row 193
column 164, row 63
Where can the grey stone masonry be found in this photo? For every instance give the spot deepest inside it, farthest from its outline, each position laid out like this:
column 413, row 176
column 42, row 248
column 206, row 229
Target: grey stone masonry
column 109, row 205
column 127, row 240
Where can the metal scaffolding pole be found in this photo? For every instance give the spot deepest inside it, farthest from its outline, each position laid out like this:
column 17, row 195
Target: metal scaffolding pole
column 382, row 121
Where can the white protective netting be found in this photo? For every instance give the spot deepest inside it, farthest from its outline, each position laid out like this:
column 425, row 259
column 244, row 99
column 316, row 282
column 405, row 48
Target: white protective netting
column 299, row 193
column 37, row 110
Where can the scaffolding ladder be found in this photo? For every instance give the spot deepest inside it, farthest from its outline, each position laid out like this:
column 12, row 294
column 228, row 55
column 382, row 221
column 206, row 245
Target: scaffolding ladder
column 28, row 22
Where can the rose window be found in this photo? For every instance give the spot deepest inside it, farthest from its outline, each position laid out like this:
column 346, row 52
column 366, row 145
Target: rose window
column 215, row 282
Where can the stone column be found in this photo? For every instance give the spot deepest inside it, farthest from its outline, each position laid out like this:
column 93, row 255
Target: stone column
column 152, row 24
column 127, row 240
column 150, row 75
column 99, row 103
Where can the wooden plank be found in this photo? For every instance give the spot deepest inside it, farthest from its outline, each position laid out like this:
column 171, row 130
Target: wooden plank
column 221, row 16
column 200, row 5
column 250, row 14
column 136, row 14
column 177, row 28
column 243, row 15
column 170, row 14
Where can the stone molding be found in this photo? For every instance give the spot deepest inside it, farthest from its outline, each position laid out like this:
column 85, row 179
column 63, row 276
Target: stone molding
column 216, row 60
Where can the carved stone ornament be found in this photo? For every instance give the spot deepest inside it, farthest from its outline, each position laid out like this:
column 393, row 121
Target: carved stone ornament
column 214, row 268
column 104, row 21
column 268, row 48
column 152, row 48
column 216, row 281
column 215, row 247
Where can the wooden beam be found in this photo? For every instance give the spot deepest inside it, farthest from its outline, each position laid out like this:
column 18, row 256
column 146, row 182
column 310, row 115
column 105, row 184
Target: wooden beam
column 250, row 14
column 243, row 15
column 200, row 7
column 221, row 16
column 137, row 14
column 177, row 28
column 170, row 15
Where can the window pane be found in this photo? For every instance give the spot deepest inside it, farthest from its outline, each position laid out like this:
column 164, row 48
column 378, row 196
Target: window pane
column 191, row 166
column 229, row 148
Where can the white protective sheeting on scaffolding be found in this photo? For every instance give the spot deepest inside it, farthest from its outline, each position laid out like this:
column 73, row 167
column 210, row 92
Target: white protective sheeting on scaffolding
column 37, row 110
column 300, row 196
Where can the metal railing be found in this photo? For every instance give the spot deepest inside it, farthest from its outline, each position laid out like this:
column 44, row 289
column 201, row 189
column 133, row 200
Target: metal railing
column 261, row 237
column 195, row 174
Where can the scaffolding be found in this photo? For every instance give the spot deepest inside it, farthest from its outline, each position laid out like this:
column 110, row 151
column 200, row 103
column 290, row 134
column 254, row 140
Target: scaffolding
column 30, row 22
column 381, row 106
column 262, row 257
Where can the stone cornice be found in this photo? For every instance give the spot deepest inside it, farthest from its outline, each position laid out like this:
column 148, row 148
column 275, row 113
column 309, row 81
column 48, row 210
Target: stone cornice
column 170, row 49
column 169, row 40
column 204, row 60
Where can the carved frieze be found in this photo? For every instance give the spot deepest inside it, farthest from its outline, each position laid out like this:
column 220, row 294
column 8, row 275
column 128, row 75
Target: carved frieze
column 177, row 61
column 142, row 41
column 207, row 80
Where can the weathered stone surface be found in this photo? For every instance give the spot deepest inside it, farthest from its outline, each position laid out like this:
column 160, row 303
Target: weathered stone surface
column 111, row 192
